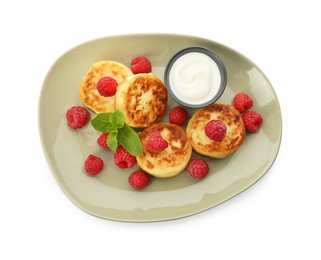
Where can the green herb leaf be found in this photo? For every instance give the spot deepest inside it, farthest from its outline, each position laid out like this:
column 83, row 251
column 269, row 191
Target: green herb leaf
column 112, row 141
column 102, row 123
column 119, row 132
column 117, row 119
column 129, row 139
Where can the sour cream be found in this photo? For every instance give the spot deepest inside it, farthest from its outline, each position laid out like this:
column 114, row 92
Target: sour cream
column 195, row 77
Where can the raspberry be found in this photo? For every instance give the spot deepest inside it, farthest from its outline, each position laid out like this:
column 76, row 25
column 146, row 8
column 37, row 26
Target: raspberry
column 139, row 180
column 252, row 120
column 107, row 86
column 141, row 64
column 178, row 115
column 215, row 130
column 93, row 165
column 156, row 143
column 242, row 102
column 123, row 159
column 77, row 117
column 198, row 168
column 102, row 140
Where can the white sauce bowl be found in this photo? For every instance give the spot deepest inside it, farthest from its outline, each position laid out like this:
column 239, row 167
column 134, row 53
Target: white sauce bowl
column 195, row 77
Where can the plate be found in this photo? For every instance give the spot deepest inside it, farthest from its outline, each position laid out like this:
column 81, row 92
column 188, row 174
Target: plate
column 109, row 195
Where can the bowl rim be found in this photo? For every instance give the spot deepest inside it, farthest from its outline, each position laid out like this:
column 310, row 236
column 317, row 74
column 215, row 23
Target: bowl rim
column 210, row 53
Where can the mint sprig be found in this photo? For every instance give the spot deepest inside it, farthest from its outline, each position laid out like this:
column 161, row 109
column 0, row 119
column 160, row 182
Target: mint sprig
column 118, row 132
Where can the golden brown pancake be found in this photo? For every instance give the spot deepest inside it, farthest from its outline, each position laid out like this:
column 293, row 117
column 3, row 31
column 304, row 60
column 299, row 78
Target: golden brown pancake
column 171, row 161
column 89, row 94
column 142, row 98
column 235, row 130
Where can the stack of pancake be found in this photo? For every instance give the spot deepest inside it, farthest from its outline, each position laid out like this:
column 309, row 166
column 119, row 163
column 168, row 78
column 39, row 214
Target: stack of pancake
column 141, row 97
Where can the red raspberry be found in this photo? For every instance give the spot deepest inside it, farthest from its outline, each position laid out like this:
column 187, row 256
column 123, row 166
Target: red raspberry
column 156, row 143
column 123, row 158
column 107, row 86
column 178, row 115
column 139, row 180
column 252, row 120
column 215, row 130
column 93, row 165
column 198, row 168
column 102, row 140
column 242, row 102
column 77, row 117
column 141, row 64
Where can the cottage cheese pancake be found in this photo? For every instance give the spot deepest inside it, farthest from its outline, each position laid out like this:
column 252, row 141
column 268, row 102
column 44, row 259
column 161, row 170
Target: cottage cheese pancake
column 142, row 98
column 89, row 94
column 235, row 130
column 171, row 161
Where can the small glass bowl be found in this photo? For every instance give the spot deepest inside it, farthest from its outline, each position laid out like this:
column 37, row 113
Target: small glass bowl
column 212, row 98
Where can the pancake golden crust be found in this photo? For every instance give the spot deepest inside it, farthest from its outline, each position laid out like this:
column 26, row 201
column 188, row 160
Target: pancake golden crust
column 171, row 161
column 143, row 100
column 90, row 96
column 235, row 130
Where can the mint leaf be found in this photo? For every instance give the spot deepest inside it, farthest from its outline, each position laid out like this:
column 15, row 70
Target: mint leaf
column 102, row 123
column 112, row 141
column 117, row 119
column 118, row 132
column 129, row 139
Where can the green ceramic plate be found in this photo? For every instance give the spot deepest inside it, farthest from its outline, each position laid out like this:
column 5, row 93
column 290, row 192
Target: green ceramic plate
column 109, row 194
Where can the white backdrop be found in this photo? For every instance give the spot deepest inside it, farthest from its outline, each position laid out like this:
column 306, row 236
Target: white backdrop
column 277, row 218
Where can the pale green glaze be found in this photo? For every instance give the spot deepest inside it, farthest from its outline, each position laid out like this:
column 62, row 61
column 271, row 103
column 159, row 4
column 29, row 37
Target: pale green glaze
column 109, row 195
